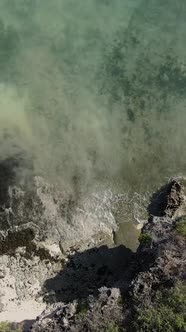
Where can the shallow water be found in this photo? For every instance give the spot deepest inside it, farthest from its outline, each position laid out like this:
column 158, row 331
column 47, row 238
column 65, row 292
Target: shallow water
column 95, row 91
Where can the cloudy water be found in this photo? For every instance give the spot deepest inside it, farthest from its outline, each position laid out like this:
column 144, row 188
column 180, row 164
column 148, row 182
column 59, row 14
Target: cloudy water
column 94, row 92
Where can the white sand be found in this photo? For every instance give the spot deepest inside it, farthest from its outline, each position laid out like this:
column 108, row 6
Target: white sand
column 28, row 310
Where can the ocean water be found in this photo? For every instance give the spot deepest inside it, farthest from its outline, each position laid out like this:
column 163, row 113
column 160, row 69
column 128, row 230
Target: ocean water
column 94, row 92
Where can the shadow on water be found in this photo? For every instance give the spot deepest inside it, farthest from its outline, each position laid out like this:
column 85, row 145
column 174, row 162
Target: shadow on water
column 86, row 272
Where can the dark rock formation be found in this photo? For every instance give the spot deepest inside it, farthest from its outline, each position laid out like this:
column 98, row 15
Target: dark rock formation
column 167, row 200
column 90, row 315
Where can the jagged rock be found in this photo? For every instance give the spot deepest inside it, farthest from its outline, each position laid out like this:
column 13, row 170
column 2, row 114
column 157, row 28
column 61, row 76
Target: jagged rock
column 91, row 315
column 169, row 200
column 40, row 225
column 165, row 262
column 53, row 248
column 18, row 236
column 152, row 268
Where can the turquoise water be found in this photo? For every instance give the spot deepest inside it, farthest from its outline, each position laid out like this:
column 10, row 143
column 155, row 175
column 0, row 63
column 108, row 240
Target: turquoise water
column 95, row 91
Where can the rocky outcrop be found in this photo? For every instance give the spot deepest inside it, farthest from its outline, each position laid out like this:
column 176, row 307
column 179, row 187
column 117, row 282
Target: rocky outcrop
column 90, row 315
column 159, row 263
column 57, row 252
column 169, row 200
column 40, row 226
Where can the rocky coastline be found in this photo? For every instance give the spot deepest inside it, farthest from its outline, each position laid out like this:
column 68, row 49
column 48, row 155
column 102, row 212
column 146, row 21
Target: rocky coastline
column 70, row 274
